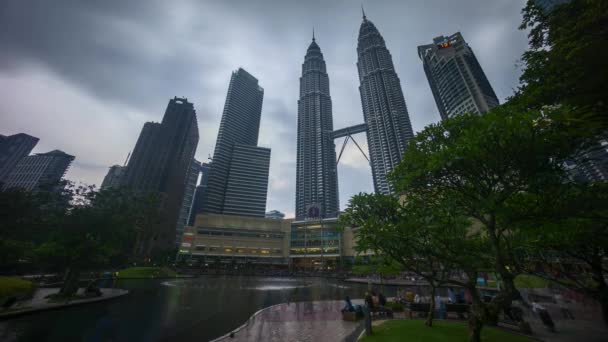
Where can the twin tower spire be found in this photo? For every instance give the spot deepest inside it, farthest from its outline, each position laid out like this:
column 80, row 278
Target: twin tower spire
column 384, row 112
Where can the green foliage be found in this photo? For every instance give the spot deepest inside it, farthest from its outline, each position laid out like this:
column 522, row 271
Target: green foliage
column 566, row 63
column 15, row 286
column 396, row 307
column 526, row 281
column 146, row 272
column 416, row 331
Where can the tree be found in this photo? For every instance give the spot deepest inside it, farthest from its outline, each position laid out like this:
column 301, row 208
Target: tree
column 97, row 228
column 428, row 240
column 566, row 63
column 569, row 238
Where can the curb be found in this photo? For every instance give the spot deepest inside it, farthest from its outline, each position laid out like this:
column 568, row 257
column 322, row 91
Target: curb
column 17, row 313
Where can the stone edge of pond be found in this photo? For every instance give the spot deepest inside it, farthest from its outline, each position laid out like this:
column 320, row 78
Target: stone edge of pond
column 242, row 326
column 116, row 293
column 154, row 278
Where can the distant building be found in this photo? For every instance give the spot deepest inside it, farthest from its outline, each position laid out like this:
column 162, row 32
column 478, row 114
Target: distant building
column 160, row 163
column 199, row 193
column 388, row 123
column 247, row 185
column 238, row 175
column 184, row 214
column 42, row 170
column 592, row 166
column 320, row 244
column 13, row 148
column 113, row 178
column 275, row 214
column 236, row 241
column 457, row 80
column 316, row 172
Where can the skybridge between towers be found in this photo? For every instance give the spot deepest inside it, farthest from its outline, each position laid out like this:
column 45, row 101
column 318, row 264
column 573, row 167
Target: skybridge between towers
column 348, row 133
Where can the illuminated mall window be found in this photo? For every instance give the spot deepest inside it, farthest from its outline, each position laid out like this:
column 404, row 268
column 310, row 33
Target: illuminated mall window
column 240, row 250
column 254, row 251
column 228, row 250
column 265, row 251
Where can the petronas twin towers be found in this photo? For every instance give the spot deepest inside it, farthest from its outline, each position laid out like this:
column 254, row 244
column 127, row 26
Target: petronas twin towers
column 385, row 113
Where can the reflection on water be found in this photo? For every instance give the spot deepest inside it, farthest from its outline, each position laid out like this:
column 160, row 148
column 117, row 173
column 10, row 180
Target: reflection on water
column 196, row 309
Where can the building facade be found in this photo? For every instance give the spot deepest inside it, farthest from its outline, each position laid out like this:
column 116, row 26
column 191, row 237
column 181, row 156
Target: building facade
column 160, row 163
column 247, row 185
column 184, row 213
column 113, row 178
column 13, row 148
column 40, row 171
column 384, row 109
column 316, row 171
column 236, row 241
column 456, row 78
column 238, row 175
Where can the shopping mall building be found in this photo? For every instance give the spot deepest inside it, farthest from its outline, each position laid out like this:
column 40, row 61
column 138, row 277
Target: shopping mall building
column 250, row 242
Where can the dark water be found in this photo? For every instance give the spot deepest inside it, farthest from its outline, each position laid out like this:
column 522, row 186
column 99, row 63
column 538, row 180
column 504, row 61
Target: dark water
column 197, row 309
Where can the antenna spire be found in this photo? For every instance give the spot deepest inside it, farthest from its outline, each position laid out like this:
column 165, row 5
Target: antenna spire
column 313, row 33
column 363, row 12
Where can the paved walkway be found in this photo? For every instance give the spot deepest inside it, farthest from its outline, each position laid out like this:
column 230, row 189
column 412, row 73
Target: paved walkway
column 301, row 321
column 39, row 303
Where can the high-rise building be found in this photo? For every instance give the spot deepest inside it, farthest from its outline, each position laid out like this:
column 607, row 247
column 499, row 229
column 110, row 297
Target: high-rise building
column 457, row 80
column 199, row 193
column 40, row 171
column 238, row 177
column 316, row 172
column 113, row 178
column 184, row 213
column 247, row 185
column 388, row 122
column 160, row 163
column 13, row 148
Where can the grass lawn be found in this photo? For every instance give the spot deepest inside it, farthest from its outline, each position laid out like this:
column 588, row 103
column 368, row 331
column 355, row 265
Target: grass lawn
column 416, row 331
column 14, row 286
column 146, row 272
column 524, row 281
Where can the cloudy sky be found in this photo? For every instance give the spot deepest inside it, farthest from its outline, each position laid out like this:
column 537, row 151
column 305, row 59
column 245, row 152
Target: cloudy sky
column 84, row 76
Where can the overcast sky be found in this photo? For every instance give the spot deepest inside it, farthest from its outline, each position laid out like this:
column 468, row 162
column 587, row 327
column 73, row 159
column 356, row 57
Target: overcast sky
column 84, row 76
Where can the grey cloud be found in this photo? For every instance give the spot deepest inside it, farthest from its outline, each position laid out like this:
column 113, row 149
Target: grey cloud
column 114, row 64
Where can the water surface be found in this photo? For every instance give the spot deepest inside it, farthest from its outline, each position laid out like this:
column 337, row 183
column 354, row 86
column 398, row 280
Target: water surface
column 196, row 309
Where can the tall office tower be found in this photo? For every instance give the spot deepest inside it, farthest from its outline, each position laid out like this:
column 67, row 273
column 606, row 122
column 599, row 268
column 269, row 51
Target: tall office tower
column 238, row 178
column 12, row 149
column 388, row 122
column 184, row 213
column 457, row 81
column 316, row 174
column 199, row 193
column 113, row 178
column 160, row 163
column 40, row 171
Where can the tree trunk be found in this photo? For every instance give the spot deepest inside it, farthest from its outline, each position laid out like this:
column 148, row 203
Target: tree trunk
column 475, row 325
column 476, row 316
column 431, row 314
column 70, row 282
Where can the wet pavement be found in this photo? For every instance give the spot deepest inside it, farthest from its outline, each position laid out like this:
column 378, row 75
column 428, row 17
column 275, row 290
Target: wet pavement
column 301, row 321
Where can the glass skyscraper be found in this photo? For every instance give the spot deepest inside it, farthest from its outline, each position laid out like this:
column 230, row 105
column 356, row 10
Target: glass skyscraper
column 388, row 122
column 160, row 163
column 457, row 80
column 316, row 174
column 238, row 175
